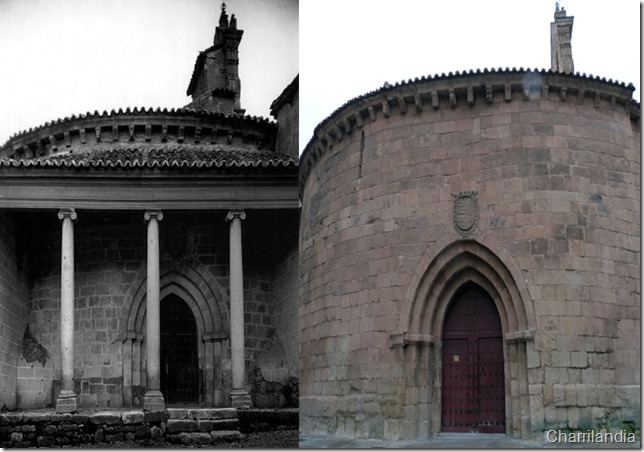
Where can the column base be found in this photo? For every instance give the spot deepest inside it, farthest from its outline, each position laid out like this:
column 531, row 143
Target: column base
column 67, row 402
column 153, row 401
column 240, row 398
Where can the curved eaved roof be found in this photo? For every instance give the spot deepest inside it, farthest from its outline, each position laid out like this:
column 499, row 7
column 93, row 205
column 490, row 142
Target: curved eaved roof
column 204, row 157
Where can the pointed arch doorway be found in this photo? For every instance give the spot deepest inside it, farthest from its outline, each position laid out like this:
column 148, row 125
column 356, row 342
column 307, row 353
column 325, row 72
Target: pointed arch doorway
column 179, row 352
column 473, row 377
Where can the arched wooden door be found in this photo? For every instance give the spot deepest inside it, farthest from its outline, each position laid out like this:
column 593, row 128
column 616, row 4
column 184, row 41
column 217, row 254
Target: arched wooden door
column 473, row 384
column 179, row 356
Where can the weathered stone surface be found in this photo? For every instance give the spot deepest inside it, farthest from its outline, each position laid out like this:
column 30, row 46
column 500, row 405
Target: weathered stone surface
column 133, row 417
column 181, row 425
column 212, row 413
column 35, row 416
column 556, row 236
column 178, row 413
column 225, row 435
column 155, row 416
column 142, row 432
column 155, row 432
column 13, row 418
column 190, row 438
column 62, row 417
column 105, row 418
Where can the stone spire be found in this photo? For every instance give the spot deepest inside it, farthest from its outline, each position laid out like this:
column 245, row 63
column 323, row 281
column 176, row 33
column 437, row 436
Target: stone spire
column 215, row 84
column 560, row 47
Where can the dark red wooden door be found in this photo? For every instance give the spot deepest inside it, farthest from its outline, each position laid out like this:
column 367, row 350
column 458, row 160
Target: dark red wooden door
column 473, row 395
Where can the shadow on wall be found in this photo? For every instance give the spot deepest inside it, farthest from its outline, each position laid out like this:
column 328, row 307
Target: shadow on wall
column 273, row 394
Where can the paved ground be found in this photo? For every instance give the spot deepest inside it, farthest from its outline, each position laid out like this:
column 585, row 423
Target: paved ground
column 444, row 441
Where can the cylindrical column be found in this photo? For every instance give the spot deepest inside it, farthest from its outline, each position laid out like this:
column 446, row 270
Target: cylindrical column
column 153, row 399
column 239, row 395
column 66, row 401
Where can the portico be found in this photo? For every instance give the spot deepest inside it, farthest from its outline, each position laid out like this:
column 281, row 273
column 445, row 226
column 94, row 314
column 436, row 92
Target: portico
column 168, row 188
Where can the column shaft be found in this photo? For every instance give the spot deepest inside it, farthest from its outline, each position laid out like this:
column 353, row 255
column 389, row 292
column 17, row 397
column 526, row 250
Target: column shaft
column 239, row 395
column 66, row 401
column 236, row 305
column 153, row 399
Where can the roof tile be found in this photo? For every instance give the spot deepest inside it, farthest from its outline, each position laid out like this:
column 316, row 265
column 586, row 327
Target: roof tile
column 179, row 157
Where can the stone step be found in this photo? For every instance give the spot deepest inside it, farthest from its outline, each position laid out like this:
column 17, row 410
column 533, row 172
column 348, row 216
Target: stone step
column 204, row 438
column 202, row 413
column 201, row 425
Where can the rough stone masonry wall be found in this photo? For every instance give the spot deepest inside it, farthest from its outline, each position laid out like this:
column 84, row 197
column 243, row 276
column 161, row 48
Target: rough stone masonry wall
column 109, row 255
column 48, row 429
column 558, row 186
column 286, row 308
column 13, row 311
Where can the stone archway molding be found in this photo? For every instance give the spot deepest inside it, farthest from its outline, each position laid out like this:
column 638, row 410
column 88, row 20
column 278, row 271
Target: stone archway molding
column 198, row 288
column 444, row 268
column 452, row 260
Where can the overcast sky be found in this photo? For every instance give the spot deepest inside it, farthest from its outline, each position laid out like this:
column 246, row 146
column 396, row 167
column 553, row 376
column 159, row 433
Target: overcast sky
column 64, row 57
column 351, row 47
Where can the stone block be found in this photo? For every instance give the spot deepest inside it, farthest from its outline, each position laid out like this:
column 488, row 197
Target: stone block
column 560, row 358
column 606, row 395
column 392, row 429
column 570, row 395
column 105, row 418
column 142, row 432
column 13, row 418
column 62, row 417
column 578, row 359
column 559, row 394
column 181, row 425
column 133, row 417
column 155, row 432
column 155, row 416
column 37, row 417
column 80, row 418
column 178, row 413
column 205, row 425
column 16, row 436
column 582, row 395
column 226, row 435
column 533, row 359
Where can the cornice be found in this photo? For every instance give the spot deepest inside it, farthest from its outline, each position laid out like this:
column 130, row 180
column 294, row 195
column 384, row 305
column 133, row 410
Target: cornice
column 141, row 125
column 460, row 90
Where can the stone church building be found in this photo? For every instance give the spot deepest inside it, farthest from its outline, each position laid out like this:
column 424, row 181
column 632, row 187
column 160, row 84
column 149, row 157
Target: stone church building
column 470, row 256
column 149, row 257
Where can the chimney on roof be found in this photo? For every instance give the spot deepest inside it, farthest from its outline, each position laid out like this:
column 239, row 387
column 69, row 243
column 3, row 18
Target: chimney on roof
column 560, row 37
column 215, row 84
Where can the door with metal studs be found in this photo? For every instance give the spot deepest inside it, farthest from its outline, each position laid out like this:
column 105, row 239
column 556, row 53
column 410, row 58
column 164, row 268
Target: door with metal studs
column 473, row 380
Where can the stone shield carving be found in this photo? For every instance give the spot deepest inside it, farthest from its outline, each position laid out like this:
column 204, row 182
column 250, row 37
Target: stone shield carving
column 466, row 212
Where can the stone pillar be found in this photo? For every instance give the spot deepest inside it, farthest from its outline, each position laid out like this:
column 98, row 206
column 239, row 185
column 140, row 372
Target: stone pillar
column 127, row 355
column 153, row 399
column 239, row 396
column 67, row 401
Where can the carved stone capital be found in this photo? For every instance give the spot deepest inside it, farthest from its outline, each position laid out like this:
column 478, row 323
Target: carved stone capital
column 153, row 214
column 67, row 213
column 238, row 213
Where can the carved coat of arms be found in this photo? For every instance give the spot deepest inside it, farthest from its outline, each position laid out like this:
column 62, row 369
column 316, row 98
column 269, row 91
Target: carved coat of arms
column 466, row 212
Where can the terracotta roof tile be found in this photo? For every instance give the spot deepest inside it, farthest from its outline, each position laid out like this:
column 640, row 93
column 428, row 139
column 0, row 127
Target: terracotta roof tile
column 170, row 158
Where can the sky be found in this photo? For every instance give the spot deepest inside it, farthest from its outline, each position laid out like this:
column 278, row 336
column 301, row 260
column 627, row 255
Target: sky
column 351, row 47
column 64, row 57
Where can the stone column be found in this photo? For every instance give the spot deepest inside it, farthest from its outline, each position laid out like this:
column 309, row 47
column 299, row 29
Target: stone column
column 239, row 396
column 127, row 355
column 153, row 399
column 67, row 400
